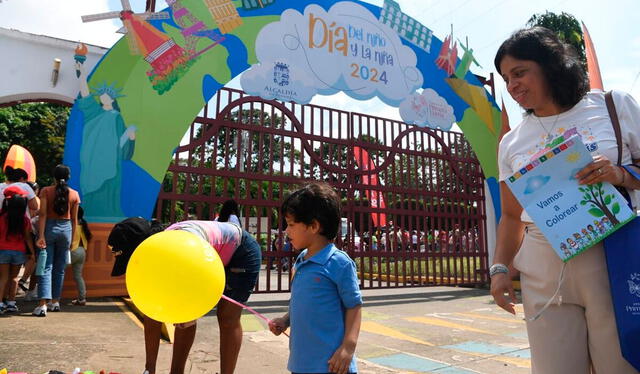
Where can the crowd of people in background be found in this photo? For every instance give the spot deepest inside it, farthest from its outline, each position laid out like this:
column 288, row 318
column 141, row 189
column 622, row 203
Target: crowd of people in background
column 393, row 239
column 36, row 231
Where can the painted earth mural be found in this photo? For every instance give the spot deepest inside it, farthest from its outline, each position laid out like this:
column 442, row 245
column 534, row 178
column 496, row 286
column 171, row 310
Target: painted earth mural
column 136, row 105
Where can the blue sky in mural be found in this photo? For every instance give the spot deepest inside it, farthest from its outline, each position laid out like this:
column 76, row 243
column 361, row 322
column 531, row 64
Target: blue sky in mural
column 486, row 24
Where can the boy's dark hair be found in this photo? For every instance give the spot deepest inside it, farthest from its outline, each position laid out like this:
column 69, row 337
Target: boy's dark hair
column 315, row 201
column 559, row 62
column 15, row 175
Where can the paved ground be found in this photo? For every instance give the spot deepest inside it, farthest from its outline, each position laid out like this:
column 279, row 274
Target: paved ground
column 410, row 330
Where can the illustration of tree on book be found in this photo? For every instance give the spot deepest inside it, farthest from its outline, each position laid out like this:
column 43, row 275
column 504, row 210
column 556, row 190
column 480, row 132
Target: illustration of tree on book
column 595, row 195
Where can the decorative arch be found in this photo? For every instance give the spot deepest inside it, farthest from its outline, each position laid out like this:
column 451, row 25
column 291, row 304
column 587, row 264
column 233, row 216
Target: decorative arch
column 164, row 71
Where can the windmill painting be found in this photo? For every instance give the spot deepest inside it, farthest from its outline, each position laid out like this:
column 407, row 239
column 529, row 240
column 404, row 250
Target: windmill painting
column 168, row 60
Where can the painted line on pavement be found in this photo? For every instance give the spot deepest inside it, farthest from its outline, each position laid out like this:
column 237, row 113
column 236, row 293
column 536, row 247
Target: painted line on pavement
column 376, row 328
column 443, row 323
column 512, row 355
column 492, row 318
column 251, row 323
column 418, row 364
column 127, row 312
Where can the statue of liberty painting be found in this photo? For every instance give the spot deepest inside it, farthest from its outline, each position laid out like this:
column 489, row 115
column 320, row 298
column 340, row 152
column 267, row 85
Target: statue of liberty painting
column 106, row 142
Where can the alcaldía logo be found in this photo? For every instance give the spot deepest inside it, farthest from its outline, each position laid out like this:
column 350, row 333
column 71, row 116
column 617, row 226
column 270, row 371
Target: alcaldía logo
column 634, row 284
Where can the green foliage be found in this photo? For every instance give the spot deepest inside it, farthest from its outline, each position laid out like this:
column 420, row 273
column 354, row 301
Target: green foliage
column 445, row 266
column 596, row 212
column 607, row 199
column 615, row 208
column 40, row 128
column 566, row 27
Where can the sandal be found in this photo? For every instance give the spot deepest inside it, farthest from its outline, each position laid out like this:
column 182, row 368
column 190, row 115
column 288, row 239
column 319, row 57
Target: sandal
column 22, row 285
column 79, row 302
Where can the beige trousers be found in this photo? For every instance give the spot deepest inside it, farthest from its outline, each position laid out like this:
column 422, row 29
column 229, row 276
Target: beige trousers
column 577, row 333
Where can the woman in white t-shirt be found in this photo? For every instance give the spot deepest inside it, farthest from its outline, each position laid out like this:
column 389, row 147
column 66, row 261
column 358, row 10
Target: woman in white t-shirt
column 577, row 332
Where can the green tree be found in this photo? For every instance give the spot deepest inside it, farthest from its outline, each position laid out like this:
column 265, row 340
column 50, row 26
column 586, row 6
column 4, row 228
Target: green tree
column 39, row 127
column 594, row 195
column 566, row 27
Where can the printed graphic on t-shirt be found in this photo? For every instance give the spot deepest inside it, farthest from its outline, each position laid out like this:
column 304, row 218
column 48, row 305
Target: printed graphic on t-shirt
column 561, row 135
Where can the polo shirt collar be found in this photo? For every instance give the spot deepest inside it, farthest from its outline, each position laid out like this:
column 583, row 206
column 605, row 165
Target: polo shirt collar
column 324, row 255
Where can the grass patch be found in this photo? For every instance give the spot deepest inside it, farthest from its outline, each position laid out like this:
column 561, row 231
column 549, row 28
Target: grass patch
column 437, row 267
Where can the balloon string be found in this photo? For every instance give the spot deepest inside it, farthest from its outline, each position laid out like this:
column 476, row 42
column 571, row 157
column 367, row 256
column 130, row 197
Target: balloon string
column 262, row 317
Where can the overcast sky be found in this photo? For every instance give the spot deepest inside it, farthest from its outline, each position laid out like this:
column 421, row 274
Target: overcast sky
column 613, row 26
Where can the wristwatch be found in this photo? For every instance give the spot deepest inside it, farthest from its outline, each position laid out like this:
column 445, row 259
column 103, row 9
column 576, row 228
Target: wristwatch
column 498, row 268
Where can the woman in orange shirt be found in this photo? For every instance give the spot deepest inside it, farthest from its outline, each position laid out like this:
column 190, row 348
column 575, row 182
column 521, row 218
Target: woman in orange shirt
column 58, row 220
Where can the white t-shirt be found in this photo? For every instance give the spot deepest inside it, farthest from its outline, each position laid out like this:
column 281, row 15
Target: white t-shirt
column 233, row 219
column 588, row 119
column 25, row 187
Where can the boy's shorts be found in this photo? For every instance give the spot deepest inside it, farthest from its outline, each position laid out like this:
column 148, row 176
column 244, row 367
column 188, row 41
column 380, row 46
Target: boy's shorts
column 243, row 269
column 12, row 257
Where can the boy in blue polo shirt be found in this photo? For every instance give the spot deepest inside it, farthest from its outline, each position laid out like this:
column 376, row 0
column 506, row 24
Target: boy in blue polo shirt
column 325, row 306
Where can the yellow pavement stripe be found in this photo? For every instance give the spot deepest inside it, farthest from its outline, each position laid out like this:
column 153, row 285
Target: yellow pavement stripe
column 443, row 323
column 128, row 313
column 374, row 315
column 167, row 331
column 376, row 328
column 492, row 318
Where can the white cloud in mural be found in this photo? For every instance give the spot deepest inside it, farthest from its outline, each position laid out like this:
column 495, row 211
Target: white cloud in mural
column 345, row 49
column 427, row 109
column 278, row 80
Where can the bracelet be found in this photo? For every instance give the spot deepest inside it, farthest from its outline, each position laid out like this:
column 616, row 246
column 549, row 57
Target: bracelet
column 497, row 269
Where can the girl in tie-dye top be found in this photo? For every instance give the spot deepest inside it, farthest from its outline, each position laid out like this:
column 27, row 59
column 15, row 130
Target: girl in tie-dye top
column 224, row 237
column 241, row 256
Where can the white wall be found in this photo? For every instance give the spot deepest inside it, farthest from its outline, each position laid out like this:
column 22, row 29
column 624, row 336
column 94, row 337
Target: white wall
column 26, row 63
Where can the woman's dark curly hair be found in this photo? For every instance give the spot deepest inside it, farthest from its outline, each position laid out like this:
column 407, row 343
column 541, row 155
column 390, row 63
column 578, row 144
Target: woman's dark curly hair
column 559, row 62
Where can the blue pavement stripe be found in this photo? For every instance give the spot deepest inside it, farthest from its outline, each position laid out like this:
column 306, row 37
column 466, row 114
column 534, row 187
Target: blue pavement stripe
column 416, row 364
column 525, row 353
column 484, row 348
column 452, row 370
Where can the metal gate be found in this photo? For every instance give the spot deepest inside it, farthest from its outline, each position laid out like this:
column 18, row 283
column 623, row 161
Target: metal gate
column 256, row 150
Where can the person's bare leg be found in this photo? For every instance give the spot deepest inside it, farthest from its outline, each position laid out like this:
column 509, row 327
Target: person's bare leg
column 152, row 329
column 230, row 335
column 4, row 279
column 29, row 266
column 14, row 270
column 184, row 337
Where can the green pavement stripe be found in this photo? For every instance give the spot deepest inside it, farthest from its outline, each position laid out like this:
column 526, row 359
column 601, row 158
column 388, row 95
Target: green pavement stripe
column 251, row 323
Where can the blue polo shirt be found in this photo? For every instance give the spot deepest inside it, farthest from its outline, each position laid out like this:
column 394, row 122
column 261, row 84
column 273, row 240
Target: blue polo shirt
column 323, row 287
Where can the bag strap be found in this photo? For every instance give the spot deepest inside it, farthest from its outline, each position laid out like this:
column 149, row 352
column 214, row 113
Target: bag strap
column 611, row 107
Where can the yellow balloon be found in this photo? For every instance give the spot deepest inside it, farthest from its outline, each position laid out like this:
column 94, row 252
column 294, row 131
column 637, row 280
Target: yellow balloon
column 175, row 276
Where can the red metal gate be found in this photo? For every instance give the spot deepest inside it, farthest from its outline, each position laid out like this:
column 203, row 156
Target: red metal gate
column 256, row 151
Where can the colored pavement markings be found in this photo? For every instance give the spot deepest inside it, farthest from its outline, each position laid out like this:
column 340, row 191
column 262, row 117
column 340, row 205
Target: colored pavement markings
column 251, row 323
column 442, row 323
column 376, row 328
column 417, row 364
column 516, row 356
column 520, row 335
column 492, row 318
